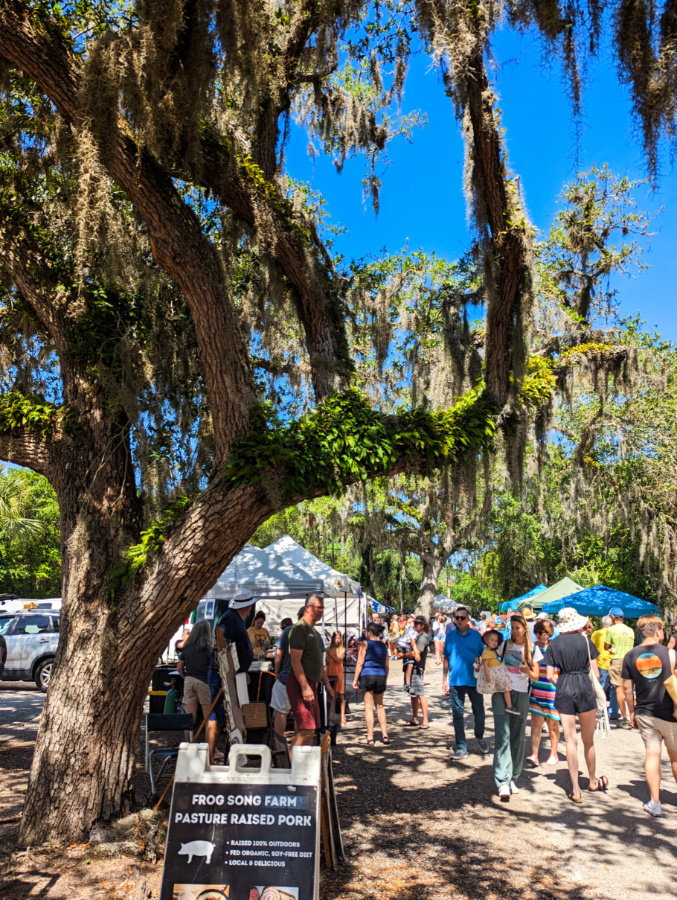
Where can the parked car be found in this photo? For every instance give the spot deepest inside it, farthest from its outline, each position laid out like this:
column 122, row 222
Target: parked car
column 32, row 639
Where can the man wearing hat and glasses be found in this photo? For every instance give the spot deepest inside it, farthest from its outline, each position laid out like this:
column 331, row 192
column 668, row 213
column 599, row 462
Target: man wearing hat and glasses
column 229, row 630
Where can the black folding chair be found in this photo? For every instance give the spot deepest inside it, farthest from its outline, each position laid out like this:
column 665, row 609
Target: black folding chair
column 154, row 722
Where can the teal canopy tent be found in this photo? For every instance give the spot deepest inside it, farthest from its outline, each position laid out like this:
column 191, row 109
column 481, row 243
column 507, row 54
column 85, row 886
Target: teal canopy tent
column 598, row 600
column 512, row 604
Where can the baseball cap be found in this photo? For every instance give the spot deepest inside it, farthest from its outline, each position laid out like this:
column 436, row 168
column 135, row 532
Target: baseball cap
column 499, row 620
column 617, row 612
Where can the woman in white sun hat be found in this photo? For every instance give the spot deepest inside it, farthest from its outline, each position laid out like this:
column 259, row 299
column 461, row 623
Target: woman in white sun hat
column 574, row 654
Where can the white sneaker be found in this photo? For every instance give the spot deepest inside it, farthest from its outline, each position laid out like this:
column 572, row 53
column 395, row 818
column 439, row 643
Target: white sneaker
column 654, row 809
column 504, row 793
column 513, row 788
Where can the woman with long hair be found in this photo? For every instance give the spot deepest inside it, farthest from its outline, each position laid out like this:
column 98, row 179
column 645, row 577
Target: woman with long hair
column 371, row 676
column 336, row 652
column 521, row 658
column 194, row 660
column 542, row 705
column 574, row 654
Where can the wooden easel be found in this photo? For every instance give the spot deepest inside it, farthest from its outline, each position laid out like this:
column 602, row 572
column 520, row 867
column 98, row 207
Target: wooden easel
column 330, row 825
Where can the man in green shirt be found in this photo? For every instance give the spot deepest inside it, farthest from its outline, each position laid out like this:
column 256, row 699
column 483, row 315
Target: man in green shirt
column 619, row 640
column 306, row 652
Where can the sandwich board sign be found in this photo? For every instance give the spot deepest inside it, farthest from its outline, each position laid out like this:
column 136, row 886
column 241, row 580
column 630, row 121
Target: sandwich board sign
column 238, row 833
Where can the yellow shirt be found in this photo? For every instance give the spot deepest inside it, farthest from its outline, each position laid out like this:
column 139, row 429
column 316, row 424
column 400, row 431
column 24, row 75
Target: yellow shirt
column 492, row 657
column 598, row 638
column 257, row 636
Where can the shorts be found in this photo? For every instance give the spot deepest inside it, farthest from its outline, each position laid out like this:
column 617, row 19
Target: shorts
column 196, row 691
column 575, row 694
column 218, row 714
column 616, row 672
column 374, row 684
column 654, row 731
column 279, row 700
column 416, row 686
column 306, row 715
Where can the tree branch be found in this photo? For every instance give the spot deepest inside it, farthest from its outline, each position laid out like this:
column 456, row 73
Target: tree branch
column 176, row 237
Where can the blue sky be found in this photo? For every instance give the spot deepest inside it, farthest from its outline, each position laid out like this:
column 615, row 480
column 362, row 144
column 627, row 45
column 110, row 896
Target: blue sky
column 422, row 200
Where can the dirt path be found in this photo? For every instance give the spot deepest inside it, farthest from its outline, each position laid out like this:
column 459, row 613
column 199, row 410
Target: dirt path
column 416, row 826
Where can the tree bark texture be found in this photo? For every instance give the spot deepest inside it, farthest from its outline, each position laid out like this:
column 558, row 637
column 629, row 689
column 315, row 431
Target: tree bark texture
column 506, row 258
column 88, row 742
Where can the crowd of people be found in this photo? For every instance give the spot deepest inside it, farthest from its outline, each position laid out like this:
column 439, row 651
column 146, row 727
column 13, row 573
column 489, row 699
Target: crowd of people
column 563, row 674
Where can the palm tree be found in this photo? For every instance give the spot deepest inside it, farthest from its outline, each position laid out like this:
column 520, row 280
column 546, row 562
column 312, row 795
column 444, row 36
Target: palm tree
column 14, row 502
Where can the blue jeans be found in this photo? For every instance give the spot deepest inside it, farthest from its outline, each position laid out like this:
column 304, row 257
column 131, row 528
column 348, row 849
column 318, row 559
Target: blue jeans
column 509, row 737
column 610, row 691
column 457, row 695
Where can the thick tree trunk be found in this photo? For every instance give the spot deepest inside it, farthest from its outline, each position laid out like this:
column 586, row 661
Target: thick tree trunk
column 88, row 742
column 432, row 569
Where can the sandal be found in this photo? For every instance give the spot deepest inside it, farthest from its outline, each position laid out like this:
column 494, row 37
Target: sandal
column 424, row 727
column 385, row 740
column 369, row 743
column 411, row 725
column 534, row 763
column 602, row 785
column 574, row 799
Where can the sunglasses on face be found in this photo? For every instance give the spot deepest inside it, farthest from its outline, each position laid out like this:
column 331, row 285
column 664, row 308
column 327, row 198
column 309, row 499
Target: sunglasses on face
column 461, row 618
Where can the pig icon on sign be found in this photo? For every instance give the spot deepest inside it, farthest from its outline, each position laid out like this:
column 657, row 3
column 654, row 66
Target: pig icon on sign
column 197, row 848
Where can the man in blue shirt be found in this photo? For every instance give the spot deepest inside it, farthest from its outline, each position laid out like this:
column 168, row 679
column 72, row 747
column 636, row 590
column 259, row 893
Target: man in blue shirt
column 461, row 648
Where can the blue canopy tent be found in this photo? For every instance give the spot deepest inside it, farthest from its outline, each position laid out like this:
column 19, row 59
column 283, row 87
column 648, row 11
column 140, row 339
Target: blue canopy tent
column 512, row 604
column 598, row 600
column 380, row 608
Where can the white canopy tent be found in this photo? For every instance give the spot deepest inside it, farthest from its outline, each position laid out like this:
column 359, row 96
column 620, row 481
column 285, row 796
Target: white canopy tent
column 347, row 611
column 282, row 588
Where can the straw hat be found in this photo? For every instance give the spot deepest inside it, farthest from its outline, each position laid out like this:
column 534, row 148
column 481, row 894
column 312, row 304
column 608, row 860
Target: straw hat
column 527, row 612
column 569, row 620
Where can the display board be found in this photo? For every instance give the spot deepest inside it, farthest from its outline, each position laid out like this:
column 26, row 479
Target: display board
column 249, row 837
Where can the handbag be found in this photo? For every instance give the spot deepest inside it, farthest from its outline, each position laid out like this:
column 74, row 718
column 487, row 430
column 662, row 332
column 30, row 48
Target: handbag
column 600, row 696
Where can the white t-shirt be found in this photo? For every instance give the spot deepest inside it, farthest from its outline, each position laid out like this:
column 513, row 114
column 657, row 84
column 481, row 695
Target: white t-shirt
column 513, row 660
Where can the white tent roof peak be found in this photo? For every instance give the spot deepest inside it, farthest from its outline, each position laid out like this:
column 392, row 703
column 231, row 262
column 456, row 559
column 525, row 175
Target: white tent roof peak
column 265, row 574
column 289, row 549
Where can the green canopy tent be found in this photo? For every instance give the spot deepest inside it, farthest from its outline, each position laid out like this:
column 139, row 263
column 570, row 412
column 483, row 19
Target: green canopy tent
column 562, row 588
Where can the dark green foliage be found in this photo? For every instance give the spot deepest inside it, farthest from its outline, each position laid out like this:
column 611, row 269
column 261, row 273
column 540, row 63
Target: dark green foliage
column 345, row 440
column 34, row 414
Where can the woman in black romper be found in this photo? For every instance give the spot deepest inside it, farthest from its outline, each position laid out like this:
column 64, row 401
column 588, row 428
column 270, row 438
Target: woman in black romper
column 574, row 654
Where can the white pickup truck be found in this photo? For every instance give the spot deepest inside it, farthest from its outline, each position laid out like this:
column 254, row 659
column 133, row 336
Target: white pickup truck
column 32, row 638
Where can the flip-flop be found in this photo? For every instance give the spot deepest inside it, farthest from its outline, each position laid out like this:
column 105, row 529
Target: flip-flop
column 424, row 727
column 385, row 740
column 411, row 725
column 602, row 785
column 574, row 799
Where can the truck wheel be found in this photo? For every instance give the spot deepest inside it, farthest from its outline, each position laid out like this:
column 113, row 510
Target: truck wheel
column 43, row 674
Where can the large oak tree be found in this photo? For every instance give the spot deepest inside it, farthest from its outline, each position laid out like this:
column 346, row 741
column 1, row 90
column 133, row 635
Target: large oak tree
column 177, row 343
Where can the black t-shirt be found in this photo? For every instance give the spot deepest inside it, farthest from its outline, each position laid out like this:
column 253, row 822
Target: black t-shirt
column 649, row 666
column 422, row 645
column 569, row 653
column 235, row 632
column 196, row 662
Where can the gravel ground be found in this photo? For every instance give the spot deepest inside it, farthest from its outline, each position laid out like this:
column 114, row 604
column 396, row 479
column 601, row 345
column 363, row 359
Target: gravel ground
column 416, row 826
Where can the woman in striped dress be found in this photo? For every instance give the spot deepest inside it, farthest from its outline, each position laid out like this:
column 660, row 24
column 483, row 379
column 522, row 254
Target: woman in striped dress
column 542, row 703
